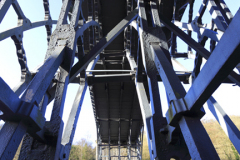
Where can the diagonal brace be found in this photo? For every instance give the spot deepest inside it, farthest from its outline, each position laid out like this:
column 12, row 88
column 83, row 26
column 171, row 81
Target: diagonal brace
column 104, row 42
column 196, row 46
column 219, row 65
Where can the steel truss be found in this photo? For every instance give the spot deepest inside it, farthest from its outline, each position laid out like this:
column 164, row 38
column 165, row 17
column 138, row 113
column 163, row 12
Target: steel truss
column 150, row 49
column 106, row 151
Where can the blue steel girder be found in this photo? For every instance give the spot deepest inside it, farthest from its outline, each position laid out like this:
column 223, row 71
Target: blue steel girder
column 23, row 108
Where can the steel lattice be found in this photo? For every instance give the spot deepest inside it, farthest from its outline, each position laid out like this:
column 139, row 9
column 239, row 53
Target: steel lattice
column 124, row 49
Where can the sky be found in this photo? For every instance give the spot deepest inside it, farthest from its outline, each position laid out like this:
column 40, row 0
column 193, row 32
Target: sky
column 35, row 45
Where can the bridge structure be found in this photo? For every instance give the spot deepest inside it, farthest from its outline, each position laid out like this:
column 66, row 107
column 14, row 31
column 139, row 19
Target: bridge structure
column 125, row 48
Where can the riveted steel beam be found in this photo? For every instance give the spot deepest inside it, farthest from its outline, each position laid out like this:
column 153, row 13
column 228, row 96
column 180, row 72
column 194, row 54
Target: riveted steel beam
column 64, row 35
column 223, row 65
column 176, row 92
column 26, row 26
column 72, row 121
column 23, row 108
column 144, row 105
column 197, row 139
column 32, row 95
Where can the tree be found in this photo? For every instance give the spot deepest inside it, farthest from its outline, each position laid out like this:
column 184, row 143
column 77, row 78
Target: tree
column 83, row 151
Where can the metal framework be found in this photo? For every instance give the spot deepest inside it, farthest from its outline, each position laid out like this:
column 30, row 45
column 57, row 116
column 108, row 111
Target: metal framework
column 124, row 49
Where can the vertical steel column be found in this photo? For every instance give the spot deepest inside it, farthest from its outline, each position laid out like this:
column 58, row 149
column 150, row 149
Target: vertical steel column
column 62, row 35
column 168, row 150
column 71, row 125
column 97, row 147
column 144, row 105
column 157, row 120
column 109, row 141
column 196, row 138
column 138, row 149
column 119, row 139
column 146, row 33
column 190, row 15
column 129, row 140
column 173, row 36
column 99, row 144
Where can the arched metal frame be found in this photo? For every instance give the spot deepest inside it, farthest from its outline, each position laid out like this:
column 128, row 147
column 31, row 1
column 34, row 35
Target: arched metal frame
column 179, row 135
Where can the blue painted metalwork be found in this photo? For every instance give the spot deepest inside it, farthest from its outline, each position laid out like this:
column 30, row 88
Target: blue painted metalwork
column 145, row 44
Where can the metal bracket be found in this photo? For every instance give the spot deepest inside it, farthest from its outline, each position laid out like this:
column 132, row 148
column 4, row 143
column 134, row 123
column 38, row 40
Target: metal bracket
column 29, row 114
column 175, row 111
column 179, row 108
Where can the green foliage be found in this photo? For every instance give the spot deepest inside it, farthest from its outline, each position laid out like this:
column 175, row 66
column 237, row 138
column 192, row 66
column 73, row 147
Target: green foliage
column 83, row 151
column 235, row 153
column 74, row 153
column 226, row 151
